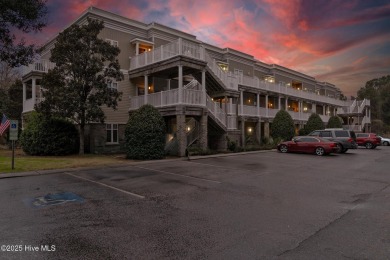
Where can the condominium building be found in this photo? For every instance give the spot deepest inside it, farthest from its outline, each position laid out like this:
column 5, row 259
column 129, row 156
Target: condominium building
column 205, row 93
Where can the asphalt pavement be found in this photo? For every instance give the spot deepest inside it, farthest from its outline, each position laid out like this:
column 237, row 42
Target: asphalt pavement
column 264, row 205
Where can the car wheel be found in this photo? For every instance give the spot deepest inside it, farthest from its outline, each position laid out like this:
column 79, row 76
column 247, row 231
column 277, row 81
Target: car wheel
column 344, row 151
column 339, row 148
column 283, row 148
column 368, row 145
column 386, row 143
column 320, row 151
column 373, row 147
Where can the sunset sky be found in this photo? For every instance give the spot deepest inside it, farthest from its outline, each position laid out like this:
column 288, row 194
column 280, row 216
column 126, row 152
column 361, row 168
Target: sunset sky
column 345, row 42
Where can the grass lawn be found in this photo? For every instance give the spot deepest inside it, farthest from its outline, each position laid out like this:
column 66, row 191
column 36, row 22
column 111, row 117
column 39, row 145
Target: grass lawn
column 25, row 162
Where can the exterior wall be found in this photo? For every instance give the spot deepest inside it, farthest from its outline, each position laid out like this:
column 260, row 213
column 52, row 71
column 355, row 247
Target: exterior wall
column 247, row 69
column 96, row 139
column 123, row 39
column 121, row 115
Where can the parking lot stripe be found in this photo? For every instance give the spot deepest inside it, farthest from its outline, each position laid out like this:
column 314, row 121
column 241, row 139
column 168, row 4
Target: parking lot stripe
column 177, row 174
column 108, row 186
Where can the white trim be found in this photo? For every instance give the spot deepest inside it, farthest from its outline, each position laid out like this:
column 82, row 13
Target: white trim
column 112, row 129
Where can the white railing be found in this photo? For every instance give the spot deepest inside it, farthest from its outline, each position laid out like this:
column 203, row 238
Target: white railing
column 28, row 105
column 214, row 108
column 39, row 66
column 232, row 122
column 231, row 108
column 167, row 51
column 229, row 79
column 193, row 97
column 247, row 110
column 193, row 84
column 281, row 89
column 171, row 97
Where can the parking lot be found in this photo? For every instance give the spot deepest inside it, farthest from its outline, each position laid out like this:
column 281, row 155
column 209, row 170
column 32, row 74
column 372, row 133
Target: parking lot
column 259, row 205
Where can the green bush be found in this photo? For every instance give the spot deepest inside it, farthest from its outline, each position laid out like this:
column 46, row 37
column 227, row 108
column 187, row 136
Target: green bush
column 231, row 145
column 283, row 126
column 49, row 136
column 145, row 134
column 334, row 122
column 313, row 123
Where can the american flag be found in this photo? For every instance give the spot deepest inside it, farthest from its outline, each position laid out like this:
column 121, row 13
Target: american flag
column 4, row 124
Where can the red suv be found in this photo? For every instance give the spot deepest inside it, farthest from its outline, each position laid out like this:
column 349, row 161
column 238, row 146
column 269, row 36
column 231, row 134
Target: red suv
column 369, row 140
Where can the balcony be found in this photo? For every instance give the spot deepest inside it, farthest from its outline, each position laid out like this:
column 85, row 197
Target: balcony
column 38, row 66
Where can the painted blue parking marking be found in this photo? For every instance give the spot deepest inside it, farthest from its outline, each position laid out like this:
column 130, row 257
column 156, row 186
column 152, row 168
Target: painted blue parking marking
column 53, row 199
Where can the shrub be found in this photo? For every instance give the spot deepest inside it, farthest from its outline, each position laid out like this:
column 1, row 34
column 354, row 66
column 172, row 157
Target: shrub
column 49, row 136
column 145, row 134
column 283, row 126
column 231, row 145
column 313, row 123
column 334, row 122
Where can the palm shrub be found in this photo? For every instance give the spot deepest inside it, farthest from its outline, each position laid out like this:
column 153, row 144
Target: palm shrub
column 145, row 134
column 334, row 122
column 49, row 136
column 283, row 126
column 313, row 123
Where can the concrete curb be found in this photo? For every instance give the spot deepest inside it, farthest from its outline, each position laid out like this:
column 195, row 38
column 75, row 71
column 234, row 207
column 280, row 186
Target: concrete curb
column 189, row 158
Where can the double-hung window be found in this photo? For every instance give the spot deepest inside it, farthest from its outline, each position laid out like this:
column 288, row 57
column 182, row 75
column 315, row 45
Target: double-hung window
column 113, row 42
column 112, row 84
column 112, row 133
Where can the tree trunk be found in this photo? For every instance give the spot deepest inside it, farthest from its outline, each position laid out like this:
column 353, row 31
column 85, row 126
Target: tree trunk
column 81, row 151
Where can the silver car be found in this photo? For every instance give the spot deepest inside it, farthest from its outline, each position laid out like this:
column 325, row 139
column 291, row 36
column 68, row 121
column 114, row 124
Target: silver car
column 385, row 141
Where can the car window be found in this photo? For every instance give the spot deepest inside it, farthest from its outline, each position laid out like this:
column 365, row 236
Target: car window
column 341, row 133
column 361, row 135
column 326, row 134
column 308, row 139
column 315, row 133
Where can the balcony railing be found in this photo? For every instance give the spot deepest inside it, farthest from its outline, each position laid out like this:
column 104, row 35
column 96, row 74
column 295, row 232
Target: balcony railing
column 38, row 66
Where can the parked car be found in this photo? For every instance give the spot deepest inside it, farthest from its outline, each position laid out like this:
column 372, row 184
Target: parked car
column 385, row 141
column 368, row 140
column 345, row 139
column 308, row 144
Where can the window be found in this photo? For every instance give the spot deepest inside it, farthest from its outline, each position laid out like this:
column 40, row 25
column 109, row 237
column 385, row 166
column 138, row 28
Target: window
column 326, row 134
column 341, row 133
column 112, row 42
column 113, row 85
column 112, row 133
column 361, row 135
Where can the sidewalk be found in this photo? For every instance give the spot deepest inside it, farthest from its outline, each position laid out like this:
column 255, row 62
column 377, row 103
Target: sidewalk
column 130, row 163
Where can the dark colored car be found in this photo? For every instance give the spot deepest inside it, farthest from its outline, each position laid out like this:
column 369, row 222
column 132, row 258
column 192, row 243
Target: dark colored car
column 308, row 144
column 368, row 140
column 345, row 139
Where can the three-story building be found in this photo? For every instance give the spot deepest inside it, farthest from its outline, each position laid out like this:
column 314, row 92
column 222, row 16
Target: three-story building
column 205, row 93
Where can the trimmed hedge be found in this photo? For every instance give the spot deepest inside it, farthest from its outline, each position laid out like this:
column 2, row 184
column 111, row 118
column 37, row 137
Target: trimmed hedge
column 283, row 126
column 334, row 122
column 313, row 123
column 145, row 134
column 49, row 136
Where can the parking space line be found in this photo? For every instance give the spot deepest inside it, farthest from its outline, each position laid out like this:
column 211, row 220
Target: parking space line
column 108, row 186
column 177, row 174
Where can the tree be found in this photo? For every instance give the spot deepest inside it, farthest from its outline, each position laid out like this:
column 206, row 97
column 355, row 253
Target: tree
column 77, row 87
column 334, row 122
column 283, row 126
column 313, row 123
column 145, row 134
column 19, row 15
